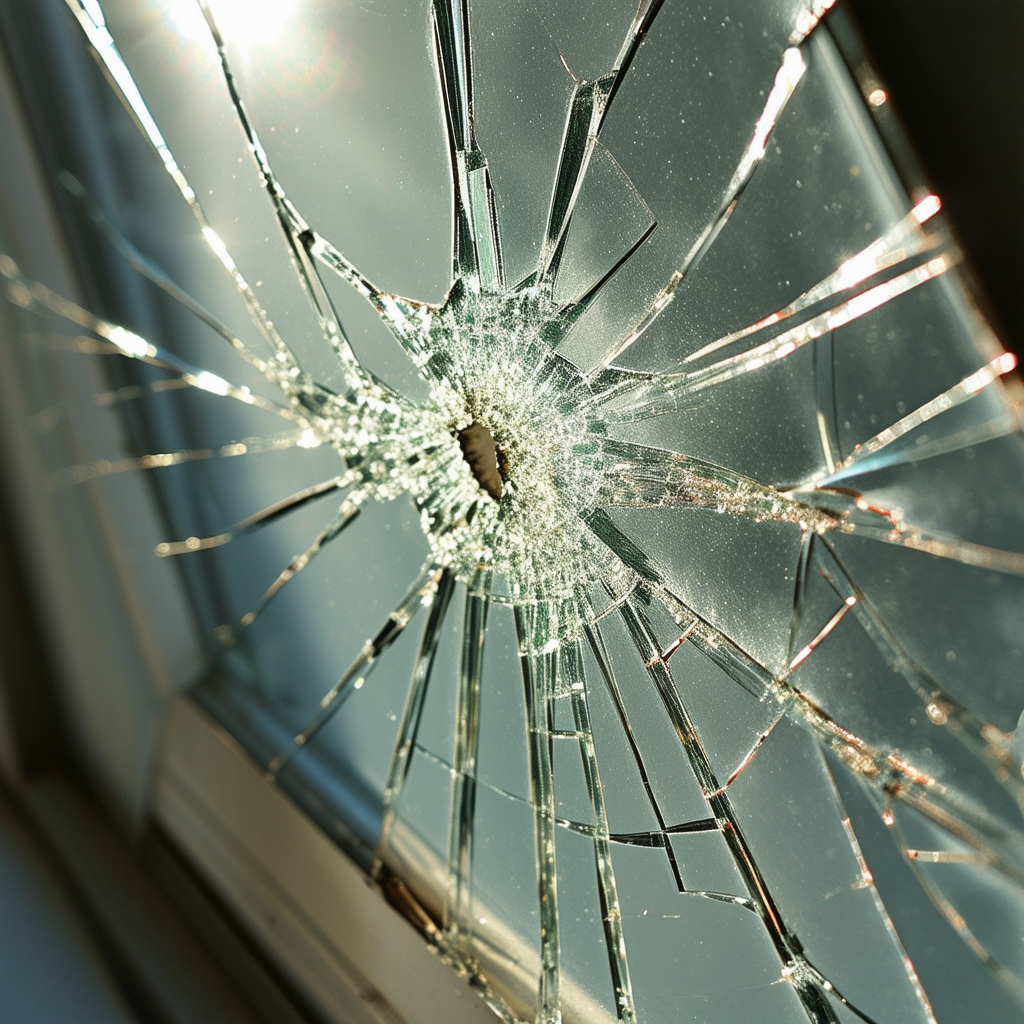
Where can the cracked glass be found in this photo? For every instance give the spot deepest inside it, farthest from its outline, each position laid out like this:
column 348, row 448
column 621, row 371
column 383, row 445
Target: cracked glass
column 600, row 494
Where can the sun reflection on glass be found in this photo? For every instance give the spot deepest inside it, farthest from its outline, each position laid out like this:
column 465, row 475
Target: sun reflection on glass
column 246, row 22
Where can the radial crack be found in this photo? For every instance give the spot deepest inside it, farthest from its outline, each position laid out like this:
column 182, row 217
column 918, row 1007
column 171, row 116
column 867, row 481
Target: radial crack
column 458, row 909
column 588, row 109
column 149, row 269
column 408, row 729
column 662, row 395
column 301, row 240
column 611, row 910
column 638, row 476
column 941, row 707
column 902, row 242
column 540, row 666
column 34, row 296
column 264, row 517
column 421, row 593
column 790, row 71
column 1007, row 981
column 890, row 927
column 809, row 988
column 476, row 249
column 971, row 385
column 90, row 17
column 84, row 471
column 346, row 513
column 601, row 656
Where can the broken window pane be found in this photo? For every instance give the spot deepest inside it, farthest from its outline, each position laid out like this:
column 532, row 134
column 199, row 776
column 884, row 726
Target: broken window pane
column 597, row 488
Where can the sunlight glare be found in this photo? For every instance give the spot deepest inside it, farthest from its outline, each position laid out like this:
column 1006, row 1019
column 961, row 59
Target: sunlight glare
column 243, row 22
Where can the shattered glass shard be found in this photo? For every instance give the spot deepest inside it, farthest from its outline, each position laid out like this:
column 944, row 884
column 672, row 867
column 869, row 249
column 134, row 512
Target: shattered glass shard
column 699, row 481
